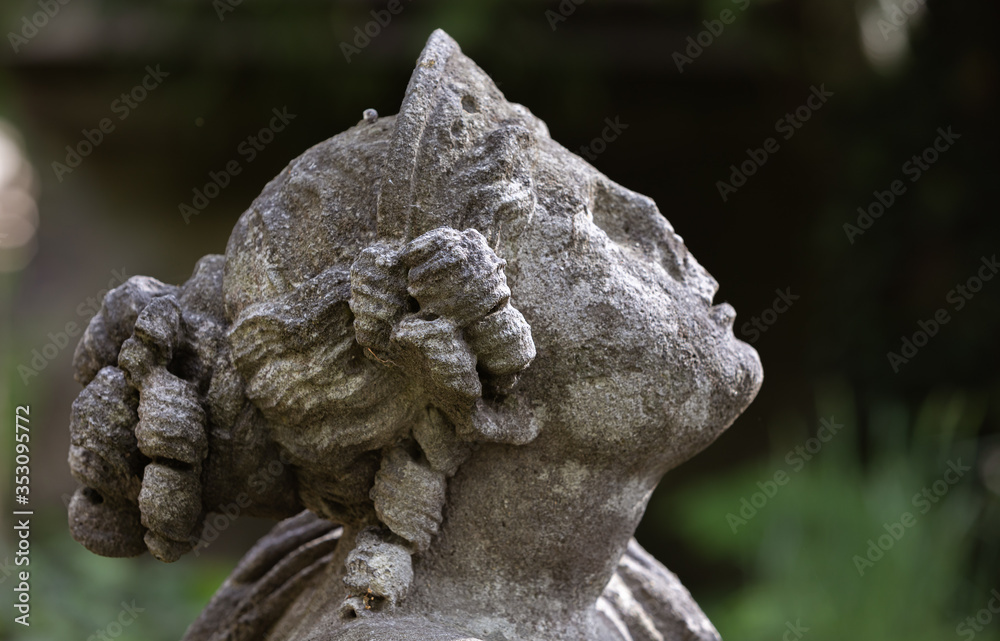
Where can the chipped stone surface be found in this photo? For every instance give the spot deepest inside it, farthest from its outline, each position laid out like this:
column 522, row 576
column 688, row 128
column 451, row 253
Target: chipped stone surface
column 379, row 574
column 446, row 333
column 408, row 498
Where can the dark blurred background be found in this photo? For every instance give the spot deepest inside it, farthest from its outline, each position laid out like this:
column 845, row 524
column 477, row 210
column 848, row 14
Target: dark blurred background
column 695, row 84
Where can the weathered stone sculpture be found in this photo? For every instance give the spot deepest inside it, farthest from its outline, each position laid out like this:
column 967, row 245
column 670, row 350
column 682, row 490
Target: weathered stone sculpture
column 465, row 352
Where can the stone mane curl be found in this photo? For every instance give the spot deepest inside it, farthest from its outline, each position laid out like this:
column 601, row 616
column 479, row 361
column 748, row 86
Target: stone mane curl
column 374, row 374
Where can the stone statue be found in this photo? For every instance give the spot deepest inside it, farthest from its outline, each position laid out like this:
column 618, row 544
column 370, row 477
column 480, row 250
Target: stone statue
column 455, row 358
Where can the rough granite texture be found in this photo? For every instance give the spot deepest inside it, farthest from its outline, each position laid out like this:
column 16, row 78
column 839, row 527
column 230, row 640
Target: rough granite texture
column 465, row 352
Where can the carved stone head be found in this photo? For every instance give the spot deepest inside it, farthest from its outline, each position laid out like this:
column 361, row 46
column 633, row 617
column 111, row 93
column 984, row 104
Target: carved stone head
column 441, row 330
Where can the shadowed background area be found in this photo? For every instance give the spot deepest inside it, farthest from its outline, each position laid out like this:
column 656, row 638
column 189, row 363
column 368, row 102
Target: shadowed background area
column 832, row 163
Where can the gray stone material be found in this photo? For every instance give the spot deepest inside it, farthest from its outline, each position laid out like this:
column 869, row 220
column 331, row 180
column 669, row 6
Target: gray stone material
column 465, row 352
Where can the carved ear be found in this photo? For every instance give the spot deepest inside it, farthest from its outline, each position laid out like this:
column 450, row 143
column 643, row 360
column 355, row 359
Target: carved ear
column 458, row 146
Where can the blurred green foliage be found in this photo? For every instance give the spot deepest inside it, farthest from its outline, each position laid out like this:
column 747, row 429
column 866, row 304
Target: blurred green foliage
column 797, row 552
column 76, row 594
